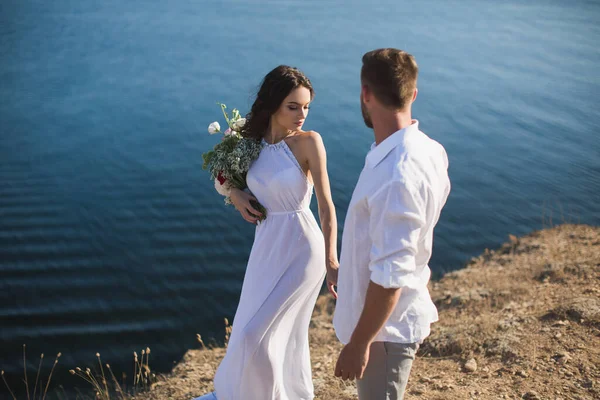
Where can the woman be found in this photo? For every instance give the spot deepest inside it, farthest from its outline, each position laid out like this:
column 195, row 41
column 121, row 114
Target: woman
column 268, row 355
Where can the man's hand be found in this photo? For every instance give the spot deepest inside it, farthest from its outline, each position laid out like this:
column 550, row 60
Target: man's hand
column 379, row 304
column 352, row 361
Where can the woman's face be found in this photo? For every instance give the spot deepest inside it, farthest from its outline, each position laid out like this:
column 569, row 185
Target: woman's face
column 293, row 110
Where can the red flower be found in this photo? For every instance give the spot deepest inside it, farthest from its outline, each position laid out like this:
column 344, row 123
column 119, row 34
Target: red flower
column 221, row 178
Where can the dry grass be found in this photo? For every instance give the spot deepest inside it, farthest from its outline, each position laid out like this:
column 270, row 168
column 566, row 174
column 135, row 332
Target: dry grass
column 528, row 313
column 106, row 386
column 103, row 383
column 39, row 383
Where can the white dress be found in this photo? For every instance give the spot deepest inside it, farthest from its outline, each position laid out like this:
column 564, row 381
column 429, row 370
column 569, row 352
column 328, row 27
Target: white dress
column 268, row 355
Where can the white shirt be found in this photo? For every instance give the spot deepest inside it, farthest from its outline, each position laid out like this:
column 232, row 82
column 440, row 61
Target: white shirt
column 388, row 234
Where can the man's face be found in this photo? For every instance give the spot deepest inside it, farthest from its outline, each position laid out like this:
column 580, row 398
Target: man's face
column 365, row 112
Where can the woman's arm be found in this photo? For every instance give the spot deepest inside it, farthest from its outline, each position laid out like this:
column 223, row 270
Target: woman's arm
column 241, row 202
column 317, row 166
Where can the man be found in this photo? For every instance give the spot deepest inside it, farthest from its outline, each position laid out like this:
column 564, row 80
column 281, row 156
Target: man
column 384, row 309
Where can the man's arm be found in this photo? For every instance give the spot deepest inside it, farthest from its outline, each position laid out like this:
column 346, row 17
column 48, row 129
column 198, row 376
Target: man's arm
column 397, row 215
column 379, row 305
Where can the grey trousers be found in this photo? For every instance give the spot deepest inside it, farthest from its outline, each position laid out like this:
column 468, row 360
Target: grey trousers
column 387, row 371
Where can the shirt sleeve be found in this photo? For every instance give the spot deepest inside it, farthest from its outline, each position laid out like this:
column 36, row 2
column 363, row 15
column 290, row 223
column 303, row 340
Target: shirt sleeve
column 397, row 216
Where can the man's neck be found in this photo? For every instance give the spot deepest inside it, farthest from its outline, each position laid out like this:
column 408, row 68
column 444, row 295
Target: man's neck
column 389, row 123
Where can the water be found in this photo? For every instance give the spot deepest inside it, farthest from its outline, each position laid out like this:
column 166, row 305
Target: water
column 111, row 236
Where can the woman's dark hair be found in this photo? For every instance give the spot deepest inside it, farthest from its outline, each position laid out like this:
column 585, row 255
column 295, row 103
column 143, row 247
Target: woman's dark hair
column 275, row 87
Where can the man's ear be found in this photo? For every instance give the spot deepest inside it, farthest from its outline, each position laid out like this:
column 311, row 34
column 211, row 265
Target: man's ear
column 415, row 95
column 365, row 93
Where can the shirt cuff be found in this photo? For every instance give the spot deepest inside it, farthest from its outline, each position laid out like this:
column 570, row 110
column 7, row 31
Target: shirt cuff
column 395, row 274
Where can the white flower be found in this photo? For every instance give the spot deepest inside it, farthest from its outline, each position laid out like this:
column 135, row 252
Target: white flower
column 239, row 124
column 224, row 189
column 214, row 128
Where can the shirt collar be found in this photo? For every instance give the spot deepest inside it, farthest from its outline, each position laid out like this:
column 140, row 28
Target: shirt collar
column 379, row 151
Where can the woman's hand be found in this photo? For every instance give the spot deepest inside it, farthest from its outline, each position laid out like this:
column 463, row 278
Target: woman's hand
column 332, row 277
column 313, row 151
column 241, row 202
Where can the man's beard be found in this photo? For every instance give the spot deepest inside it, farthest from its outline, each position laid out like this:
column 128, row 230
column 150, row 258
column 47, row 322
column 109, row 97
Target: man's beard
column 365, row 114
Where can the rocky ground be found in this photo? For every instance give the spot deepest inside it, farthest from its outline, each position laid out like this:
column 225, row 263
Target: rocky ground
column 521, row 322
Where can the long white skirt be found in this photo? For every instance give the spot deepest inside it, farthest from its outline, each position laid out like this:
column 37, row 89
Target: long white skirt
column 268, row 354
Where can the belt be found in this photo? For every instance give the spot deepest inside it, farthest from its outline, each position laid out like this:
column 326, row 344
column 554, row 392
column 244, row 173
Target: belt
column 286, row 212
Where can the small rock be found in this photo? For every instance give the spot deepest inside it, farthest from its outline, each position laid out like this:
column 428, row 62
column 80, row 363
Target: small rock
column 531, row 396
column 471, row 365
column 562, row 358
column 522, row 374
column 418, row 391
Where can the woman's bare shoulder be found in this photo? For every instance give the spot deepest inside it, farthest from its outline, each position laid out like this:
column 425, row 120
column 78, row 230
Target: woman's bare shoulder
column 308, row 138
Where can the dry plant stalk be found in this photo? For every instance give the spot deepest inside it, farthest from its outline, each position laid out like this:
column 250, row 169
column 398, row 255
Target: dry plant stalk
column 142, row 378
column 42, row 396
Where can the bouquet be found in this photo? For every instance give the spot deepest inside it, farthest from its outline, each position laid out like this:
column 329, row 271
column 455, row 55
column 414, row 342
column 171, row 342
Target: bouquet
column 230, row 159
